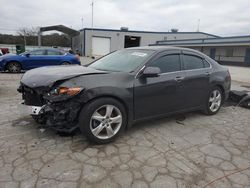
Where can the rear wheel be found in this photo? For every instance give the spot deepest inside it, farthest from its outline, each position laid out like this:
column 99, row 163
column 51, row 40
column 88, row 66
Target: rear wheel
column 65, row 63
column 214, row 101
column 14, row 67
column 102, row 120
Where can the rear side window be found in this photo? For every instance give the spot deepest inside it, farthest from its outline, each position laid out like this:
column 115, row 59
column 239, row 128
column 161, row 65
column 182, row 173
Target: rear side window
column 206, row 64
column 53, row 52
column 192, row 62
column 168, row 63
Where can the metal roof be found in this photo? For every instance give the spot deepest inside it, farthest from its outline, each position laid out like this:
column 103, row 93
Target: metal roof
column 222, row 41
column 152, row 32
column 62, row 28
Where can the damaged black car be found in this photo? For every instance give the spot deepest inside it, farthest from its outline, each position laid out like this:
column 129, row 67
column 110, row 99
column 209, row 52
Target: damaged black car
column 110, row 94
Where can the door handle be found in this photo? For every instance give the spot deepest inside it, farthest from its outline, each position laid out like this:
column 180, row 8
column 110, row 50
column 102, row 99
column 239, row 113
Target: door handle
column 179, row 78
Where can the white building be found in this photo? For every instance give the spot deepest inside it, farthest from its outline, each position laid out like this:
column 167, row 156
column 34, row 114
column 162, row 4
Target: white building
column 226, row 50
column 98, row 42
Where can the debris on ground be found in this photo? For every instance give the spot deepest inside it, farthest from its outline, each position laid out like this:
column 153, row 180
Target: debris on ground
column 42, row 130
column 239, row 98
column 179, row 119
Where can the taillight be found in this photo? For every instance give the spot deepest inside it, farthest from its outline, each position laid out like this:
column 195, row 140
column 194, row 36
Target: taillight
column 77, row 57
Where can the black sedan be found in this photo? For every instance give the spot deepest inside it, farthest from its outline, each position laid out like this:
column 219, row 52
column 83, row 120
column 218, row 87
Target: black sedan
column 107, row 96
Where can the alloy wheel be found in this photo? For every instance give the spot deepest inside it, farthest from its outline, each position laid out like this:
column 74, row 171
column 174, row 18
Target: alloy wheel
column 215, row 100
column 106, row 121
column 14, row 67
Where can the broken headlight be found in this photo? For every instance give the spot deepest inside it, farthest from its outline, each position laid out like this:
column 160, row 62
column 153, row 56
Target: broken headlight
column 65, row 91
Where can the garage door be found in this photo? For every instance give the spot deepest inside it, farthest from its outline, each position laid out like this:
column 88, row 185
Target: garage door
column 100, row 46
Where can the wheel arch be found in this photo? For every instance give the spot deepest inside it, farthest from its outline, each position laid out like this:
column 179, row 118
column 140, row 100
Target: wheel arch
column 10, row 61
column 66, row 61
column 119, row 99
column 222, row 90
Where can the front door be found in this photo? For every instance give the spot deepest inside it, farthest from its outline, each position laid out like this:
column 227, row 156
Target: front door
column 162, row 94
column 35, row 59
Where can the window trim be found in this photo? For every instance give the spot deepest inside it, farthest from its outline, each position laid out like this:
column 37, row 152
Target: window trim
column 163, row 55
column 178, row 52
column 192, row 54
column 53, row 51
column 44, row 52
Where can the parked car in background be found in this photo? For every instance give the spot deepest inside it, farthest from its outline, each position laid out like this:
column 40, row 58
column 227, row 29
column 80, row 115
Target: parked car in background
column 125, row 86
column 37, row 58
column 4, row 50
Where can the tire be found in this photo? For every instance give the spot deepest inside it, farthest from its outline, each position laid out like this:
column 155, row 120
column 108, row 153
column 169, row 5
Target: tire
column 214, row 101
column 65, row 63
column 38, row 119
column 14, row 67
column 102, row 120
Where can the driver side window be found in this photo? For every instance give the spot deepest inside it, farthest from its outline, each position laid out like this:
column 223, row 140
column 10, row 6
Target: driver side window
column 168, row 63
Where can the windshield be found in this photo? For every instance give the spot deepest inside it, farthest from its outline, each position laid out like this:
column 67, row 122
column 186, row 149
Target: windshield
column 122, row 60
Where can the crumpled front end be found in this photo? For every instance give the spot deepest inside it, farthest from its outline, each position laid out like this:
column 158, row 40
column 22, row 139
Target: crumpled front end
column 59, row 113
column 61, row 116
column 55, row 94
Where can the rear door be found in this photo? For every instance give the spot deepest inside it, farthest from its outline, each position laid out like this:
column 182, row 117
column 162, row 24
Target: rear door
column 53, row 57
column 196, row 82
column 162, row 94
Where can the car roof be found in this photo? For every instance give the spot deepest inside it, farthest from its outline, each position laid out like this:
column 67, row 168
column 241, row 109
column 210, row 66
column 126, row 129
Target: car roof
column 163, row 48
column 55, row 49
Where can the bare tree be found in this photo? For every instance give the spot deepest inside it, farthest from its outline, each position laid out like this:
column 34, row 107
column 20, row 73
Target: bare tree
column 25, row 32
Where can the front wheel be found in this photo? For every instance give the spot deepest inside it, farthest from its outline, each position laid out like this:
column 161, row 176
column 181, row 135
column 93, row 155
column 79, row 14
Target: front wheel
column 214, row 101
column 14, row 67
column 102, row 120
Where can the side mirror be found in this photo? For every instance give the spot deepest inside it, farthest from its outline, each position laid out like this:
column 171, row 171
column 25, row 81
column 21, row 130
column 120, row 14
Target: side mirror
column 151, row 72
column 27, row 55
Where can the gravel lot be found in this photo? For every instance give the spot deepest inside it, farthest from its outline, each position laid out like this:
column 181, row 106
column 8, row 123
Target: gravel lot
column 195, row 151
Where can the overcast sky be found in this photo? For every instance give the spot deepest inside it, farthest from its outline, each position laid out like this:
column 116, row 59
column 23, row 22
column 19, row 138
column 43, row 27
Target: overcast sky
column 219, row 17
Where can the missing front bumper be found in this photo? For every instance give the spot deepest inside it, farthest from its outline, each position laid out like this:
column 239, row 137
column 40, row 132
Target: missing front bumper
column 31, row 110
column 62, row 117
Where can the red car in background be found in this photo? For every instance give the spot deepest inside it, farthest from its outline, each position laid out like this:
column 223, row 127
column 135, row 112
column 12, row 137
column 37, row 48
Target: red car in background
column 5, row 50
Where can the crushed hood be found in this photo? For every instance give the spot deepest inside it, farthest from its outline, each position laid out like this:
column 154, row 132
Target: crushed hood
column 46, row 76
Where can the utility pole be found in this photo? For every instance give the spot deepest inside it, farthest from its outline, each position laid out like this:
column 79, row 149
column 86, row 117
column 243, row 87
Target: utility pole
column 82, row 22
column 92, row 21
column 92, row 25
column 198, row 28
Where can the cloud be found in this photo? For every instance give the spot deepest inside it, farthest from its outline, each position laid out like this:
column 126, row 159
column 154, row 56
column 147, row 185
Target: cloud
column 217, row 17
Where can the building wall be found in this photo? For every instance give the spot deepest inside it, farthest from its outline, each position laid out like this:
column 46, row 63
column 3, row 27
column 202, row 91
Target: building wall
column 77, row 43
column 117, row 38
column 237, row 57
